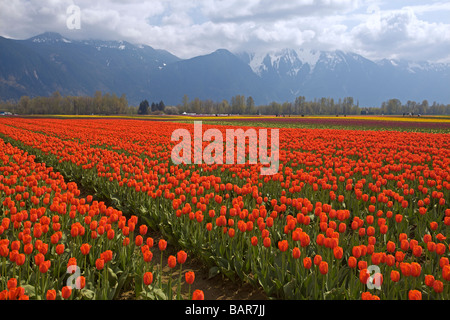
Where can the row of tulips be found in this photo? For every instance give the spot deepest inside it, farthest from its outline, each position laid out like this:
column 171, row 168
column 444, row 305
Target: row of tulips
column 55, row 244
column 364, row 216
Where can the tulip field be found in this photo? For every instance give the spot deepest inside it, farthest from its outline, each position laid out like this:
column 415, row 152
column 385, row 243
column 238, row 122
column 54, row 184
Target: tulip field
column 351, row 213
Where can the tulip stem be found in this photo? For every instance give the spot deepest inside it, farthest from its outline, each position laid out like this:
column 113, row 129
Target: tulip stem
column 160, row 272
column 179, row 284
column 170, row 288
column 106, row 282
column 37, row 283
column 4, row 272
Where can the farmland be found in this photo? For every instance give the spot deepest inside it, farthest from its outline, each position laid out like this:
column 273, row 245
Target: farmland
column 359, row 209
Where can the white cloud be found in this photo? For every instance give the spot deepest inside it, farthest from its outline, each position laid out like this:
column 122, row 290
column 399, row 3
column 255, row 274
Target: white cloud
column 187, row 28
column 401, row 34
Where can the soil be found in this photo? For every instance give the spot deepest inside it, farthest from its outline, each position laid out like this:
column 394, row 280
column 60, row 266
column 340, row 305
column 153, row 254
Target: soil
column 218, row 287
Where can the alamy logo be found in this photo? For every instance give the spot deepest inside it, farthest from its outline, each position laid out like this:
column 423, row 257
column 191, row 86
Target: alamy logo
column 374, row 281
column 213, row 152
column 73, row 20
column 74, row 280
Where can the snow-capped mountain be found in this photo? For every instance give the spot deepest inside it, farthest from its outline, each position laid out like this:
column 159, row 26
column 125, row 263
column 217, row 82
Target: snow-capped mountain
column 49, row 37
column 50, row 62
column 289, row 61
column 316, row 74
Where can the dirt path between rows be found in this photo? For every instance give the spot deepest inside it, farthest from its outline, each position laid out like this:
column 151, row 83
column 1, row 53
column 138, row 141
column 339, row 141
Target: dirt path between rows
column 216, row 288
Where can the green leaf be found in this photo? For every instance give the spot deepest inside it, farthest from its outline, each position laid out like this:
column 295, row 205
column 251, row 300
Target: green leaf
column 288, row 290
column 159, row 294
column 213, row 271
column 335, row 294
column 277, row 283
column 238, row 268
column 29, row 290
column 123, row 279
column 138, row 283
column 87, row 294
column 112, row 277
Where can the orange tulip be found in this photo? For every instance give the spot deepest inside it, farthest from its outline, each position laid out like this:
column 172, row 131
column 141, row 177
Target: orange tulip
column 51, row 294
column 99, row 264
column 323, row 267
column 438, row 286
column 395, row 276
column 414, row 295
column 171, row 261
column 283, row 245
column 307, row 263
column 181, row 257
column 296, row 253
column 66, row 292
column 189, row 277
column 198, row 295
column 85, row 248
column 162, row 244
column 148, row 278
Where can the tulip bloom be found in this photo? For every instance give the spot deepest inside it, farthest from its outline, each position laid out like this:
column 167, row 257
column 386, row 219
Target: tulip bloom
column 66, row 292
column 99, row 264
column 189, row 277
column 172, row 261
column 352, row 262
column 283, row 245
column 51, row 294
column 198, row 295
column 414, row 295
column 80, row 282
column 85, row 248
column 307, row 263
column 162, row 244
column 148, row 256
column 364, row 275
column 181, row 257
column 338, row 252
column 317, row 259
column 296, row 253
column 148, row 278
column 266, row 242
column 323, row 267
column 138, row 240
column 438, row 286
column 143, row 229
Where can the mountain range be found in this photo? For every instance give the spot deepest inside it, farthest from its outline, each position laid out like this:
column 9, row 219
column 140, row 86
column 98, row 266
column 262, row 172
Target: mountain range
column 49, row 62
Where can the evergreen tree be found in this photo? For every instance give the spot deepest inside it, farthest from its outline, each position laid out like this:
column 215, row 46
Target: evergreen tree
column 143, row 107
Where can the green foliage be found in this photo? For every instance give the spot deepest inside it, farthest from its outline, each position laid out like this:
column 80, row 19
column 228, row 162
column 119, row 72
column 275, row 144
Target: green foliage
column 323, row 106
column 106, row 104
column 144, row 107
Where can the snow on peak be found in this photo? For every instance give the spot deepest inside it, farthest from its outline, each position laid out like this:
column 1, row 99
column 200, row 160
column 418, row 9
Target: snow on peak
column 49, row 37
column 257, row 62
column 309, row 57
column 294, row 59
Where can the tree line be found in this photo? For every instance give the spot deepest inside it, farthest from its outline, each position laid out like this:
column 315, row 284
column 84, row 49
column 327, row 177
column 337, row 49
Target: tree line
column 145, row 108
column 109, row 104
column 301, row 106
column 104, row 104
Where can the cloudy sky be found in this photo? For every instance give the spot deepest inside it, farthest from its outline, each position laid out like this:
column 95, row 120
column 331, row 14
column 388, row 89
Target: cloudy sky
column 414, row 30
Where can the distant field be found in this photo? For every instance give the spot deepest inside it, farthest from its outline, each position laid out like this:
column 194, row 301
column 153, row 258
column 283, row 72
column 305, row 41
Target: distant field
column 437, row 124
column 428, row 124
column 403, row 123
